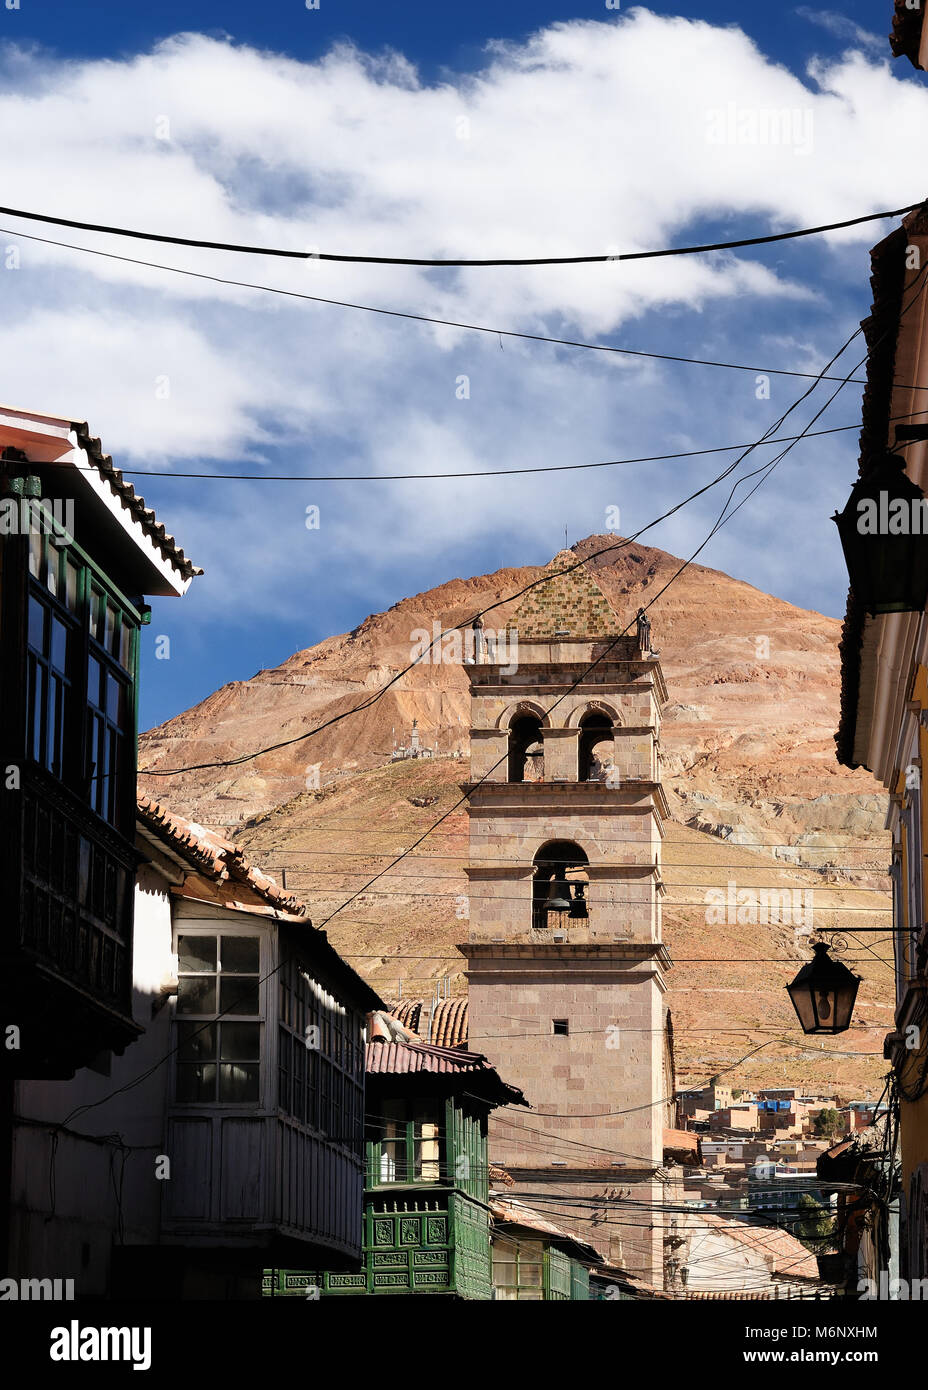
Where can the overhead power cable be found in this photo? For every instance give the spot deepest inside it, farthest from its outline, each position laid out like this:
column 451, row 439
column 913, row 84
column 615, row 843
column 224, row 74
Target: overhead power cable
column 543, row 578
column 201, row 244
column 427, row 318
column 764, row 471
column 485, row 472
column 723, row 517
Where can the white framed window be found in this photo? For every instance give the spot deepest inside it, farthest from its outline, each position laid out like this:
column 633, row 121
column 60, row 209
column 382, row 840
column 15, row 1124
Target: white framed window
column 218, row 1018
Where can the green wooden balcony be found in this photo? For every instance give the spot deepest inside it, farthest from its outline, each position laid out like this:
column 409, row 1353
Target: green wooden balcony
column 414, row 1243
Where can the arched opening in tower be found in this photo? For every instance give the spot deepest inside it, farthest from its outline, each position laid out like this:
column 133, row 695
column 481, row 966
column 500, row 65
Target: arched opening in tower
column 596, row 747
column 559, row 885
column 526, row 749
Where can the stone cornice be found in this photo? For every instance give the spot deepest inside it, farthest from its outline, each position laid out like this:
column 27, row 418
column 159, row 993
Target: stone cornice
column 598, row 951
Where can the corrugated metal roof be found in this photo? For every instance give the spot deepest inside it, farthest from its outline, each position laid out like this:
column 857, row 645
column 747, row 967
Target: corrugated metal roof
column 509, row 1212
column 788, row 1256
column 408, row 1059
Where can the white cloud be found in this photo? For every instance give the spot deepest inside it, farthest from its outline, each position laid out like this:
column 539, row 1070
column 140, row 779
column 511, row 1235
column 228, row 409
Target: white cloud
column 842, row 27
column 588, row 136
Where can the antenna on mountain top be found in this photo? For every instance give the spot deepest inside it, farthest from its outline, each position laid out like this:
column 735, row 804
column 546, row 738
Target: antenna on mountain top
column 566, row 546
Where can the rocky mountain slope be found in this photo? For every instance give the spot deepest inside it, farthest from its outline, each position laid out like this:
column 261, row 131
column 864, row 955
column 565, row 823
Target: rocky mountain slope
column 749, row 770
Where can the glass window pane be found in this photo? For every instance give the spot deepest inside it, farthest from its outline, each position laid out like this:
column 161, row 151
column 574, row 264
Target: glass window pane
column 238, row 1082
column 125, row 645
column 239, row 1042
column 387, row 1167
column 196, row 1042
column 240, row 954
column 59, row 645
column 196, row 1083
column 196, row 994
column 238, row 995
column 93, row 682
column 95, row 613
column 52, row 761
column 196, row 953
column 38, row 704
column 51, row 574
column 36, row 625
column 109, row 626
column 35, row 553
column 72, row 578
column 115, row 700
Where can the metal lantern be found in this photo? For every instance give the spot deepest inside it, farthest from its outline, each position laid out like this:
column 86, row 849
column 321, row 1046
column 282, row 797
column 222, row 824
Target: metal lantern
column 884, row 535
column 823, row 993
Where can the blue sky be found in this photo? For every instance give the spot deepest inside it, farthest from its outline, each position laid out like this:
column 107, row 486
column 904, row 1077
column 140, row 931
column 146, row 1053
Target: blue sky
column 435, row 36
column 440, row 130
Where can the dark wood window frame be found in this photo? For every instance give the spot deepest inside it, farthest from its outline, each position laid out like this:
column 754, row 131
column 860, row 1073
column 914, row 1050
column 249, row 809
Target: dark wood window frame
column 407, row 1142
column 81, row 631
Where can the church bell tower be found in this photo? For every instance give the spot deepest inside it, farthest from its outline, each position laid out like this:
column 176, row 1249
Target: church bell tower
column 565, row 961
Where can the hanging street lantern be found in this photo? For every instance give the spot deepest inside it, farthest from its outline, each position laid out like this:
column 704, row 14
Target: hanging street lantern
column 823, row 993
column 884, row 535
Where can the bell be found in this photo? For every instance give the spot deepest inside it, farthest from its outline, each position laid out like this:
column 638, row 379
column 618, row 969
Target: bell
column 558, row 899
column 578, row 908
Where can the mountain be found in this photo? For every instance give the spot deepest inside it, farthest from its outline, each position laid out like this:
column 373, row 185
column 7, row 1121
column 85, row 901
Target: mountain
column 756, row 796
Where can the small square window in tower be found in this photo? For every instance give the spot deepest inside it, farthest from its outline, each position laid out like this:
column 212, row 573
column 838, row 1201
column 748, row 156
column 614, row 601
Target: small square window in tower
column 560, row 1026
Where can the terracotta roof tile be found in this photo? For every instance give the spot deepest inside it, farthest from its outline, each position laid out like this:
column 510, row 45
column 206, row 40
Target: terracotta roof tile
column 445, row 1021
column 215, row 859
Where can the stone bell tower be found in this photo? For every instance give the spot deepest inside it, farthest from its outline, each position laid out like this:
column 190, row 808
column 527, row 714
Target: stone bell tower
column 565, row 959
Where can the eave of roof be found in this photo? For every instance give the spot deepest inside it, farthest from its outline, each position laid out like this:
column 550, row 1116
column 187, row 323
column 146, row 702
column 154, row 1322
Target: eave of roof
column 214, row 858
column 508, row 1212
column 417, row 1059
column 144, row 515
column 50, row 441
column 221, row 876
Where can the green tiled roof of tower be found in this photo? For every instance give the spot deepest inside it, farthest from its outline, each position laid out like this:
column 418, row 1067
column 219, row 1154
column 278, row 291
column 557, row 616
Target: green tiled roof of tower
column 572, row 603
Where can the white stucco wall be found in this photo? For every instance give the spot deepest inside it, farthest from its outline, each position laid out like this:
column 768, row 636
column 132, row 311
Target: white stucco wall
column 102, row 1161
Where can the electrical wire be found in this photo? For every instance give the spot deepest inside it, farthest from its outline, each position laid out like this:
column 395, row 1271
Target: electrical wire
column 545, row 577
column 474, row 472
column 581, row 677
column 431, row 319
column 201, row 244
